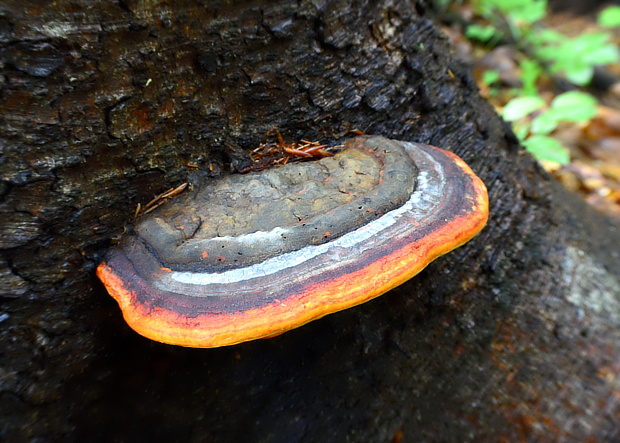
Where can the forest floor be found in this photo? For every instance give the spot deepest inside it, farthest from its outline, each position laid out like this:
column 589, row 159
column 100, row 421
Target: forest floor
column 594, row 167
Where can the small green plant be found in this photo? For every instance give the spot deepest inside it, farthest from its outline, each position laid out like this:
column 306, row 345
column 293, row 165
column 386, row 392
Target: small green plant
column 530, row 73
column 519, row 20
column 545, row 52
column 576, row 57
column 573, row 106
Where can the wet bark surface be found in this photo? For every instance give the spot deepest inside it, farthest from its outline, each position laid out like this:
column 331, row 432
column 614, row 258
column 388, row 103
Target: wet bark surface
column 103, row 105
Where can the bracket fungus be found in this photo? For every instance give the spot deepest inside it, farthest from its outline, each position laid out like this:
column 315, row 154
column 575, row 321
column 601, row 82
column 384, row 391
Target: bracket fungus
column 252, row 256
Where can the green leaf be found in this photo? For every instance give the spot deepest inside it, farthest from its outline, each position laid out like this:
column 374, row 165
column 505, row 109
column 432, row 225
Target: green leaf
column 574, row 106
column 609, row 17
column 544, row 124
column 578, row 75
column 544, row 36
column 547, row 149
column 489, row 77
column 595, row 48
column 482, row 33
column 528, row 11
column 521, row 129
column 521, row 106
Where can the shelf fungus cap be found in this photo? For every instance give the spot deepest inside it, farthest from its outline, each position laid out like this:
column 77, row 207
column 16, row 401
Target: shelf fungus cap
column 251, row 256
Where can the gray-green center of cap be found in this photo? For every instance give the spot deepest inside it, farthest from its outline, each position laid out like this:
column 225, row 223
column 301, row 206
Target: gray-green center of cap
column 240, row 220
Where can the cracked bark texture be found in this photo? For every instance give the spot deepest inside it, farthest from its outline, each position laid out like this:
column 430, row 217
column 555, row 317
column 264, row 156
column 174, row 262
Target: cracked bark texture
column 513, row 336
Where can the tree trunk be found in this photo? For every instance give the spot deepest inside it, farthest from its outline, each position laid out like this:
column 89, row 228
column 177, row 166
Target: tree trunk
column 513, row 336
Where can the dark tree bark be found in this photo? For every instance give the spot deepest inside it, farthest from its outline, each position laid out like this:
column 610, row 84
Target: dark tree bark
column 513, row 336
